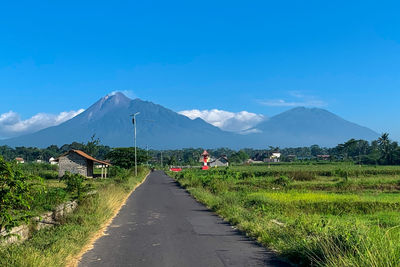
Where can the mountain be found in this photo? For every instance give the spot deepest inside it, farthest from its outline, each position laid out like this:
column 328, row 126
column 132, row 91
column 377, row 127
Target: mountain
column 307, row 126
column 109, row 118
column 161, row 128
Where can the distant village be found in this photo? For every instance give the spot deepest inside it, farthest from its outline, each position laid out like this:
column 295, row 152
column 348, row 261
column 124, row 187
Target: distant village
column 206, row 159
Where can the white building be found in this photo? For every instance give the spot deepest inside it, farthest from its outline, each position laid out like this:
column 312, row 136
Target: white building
column 276, row 155
column 53, row 161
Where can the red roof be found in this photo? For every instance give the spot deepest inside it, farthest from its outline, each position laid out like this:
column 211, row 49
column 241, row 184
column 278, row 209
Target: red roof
column 205, row 153
column 83, row 154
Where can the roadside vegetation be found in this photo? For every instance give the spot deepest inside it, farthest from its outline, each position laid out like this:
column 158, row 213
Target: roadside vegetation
column 336, row 214
column 27, row 190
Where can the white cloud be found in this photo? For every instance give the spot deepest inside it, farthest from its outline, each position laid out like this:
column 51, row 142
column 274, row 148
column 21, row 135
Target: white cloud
column 225, row 120
column 299, row 99
column 12, row 125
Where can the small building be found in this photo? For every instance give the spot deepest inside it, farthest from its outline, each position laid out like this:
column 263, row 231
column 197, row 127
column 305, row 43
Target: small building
column 39, row 161
column 219, row 162
column 53, row 161
column 77, row 161
column 275, row 157
column 20, row 160
column 323, row 157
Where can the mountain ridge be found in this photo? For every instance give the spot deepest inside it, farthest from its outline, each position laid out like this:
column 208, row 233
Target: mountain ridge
column 109, row 118
column 312, row 126
column 161, row 128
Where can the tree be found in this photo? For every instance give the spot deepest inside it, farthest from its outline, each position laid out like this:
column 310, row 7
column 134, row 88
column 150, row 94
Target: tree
column 315, row 150
column 172, row 160
column 92, row 146
column 124, row 157
column 239, row 157
column 386, row 148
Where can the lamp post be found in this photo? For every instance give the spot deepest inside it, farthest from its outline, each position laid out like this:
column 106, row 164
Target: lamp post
column 134, row 124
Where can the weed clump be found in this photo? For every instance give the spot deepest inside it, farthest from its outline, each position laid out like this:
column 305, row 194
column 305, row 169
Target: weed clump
column 282, row 181
column 303, row 175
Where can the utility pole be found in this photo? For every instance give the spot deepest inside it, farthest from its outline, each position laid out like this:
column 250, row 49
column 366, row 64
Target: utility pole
column 161, row 160
column 147, row 149
column 134, row 124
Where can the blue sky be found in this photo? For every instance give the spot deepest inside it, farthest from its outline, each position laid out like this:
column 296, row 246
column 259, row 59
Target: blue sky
column 263, row 57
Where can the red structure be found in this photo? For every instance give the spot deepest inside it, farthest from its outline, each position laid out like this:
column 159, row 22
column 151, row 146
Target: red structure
column 206, row 158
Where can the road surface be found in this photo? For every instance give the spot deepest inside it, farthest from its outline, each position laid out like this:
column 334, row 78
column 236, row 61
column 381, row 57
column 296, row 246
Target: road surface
column 162, row 225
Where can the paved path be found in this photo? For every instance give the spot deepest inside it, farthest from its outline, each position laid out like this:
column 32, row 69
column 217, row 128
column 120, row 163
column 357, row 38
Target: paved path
column 162, row 225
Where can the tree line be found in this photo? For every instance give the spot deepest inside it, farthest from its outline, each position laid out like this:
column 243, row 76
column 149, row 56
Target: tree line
column 31, row 154
column 382, row 151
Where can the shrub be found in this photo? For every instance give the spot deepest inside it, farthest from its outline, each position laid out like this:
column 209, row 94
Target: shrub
column 122, row 175
column 48, row 175
column 282, row 181
column 342, row 173
column 74, row 183
column 15, row 194
column 303, row 175
column 46, row 199
column 114, row 171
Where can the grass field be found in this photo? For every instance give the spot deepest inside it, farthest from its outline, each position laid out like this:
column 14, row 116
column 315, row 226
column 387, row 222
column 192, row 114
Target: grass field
column 321, row 215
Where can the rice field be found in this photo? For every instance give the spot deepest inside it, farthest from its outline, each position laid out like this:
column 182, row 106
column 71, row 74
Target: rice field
column 319, row 215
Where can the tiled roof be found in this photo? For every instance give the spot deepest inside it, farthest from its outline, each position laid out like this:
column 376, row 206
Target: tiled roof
column 83, row 154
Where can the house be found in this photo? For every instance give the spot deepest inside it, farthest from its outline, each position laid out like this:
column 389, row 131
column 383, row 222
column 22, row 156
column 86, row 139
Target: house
column 324, row 157
column 20, row 160
column 275, row 157
column 219, row 162
column 76, row 161
column 39, row 161
column 53, row 161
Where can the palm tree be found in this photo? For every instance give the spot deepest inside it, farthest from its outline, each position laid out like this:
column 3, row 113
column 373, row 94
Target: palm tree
column 384, row 139
column 384, row 145
column 346, row 148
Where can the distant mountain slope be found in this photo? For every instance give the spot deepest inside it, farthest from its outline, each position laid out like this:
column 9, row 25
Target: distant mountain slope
column 110, row 120
column 161, row 128
column 307, row 126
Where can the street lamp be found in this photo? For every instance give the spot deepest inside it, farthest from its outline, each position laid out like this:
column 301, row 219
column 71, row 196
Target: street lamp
column 134, row 124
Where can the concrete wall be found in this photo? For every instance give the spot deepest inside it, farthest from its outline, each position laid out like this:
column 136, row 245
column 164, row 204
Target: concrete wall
column 48, row 219
column 75, row 163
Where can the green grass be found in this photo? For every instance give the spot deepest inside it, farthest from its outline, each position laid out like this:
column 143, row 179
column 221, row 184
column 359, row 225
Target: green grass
column 321, row 215
column 43, row 170
column 59, row 245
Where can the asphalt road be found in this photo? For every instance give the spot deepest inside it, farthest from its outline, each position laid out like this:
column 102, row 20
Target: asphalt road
column 162, row 225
